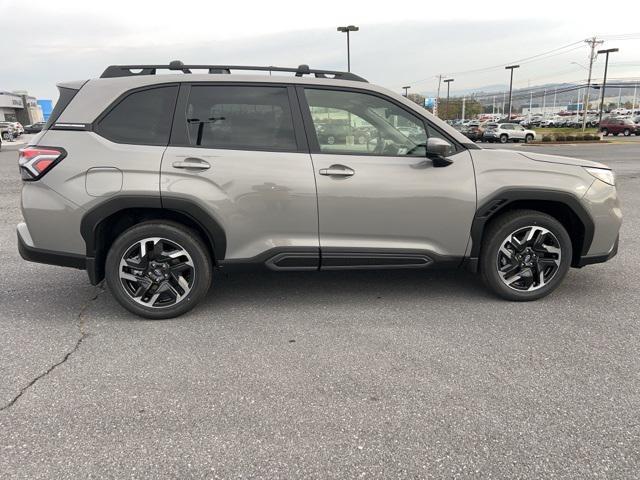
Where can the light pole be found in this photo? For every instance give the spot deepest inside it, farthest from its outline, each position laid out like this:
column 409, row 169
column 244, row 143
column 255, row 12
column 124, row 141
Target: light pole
column 448, row 82
column 347, row 29
column 406, row 90
column 604, row 80
column 511, row 67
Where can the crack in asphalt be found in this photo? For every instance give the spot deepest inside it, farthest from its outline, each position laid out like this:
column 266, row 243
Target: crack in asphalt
column 83, row 335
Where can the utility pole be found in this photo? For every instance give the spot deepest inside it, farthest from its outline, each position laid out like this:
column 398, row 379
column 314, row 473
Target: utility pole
column 619, row 96
column 544, row 103
column 604, row 80
column 592, row 42
column 530, row 103
column 633, row 105
column 448, row 82
column 493, row 108
column 555, row 90
column 511, row 67
column 503, row 98
column 463, row 107
column 436, row 107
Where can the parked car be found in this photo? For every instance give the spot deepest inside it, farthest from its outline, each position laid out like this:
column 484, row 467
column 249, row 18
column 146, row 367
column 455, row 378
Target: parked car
column 34, row 127
column 505, row 132
column 8, row 131
column 161, row 181
column 617, row 125
column 474, row 131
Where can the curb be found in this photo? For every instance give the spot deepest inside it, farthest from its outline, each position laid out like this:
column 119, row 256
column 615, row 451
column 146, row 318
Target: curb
column 581, row 142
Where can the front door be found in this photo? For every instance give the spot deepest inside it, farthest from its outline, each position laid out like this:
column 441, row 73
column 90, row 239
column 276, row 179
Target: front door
column 238, row 151
column 381, row 201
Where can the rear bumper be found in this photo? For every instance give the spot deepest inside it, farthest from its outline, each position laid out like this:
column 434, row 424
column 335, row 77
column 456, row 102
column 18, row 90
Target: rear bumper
column 61, row 259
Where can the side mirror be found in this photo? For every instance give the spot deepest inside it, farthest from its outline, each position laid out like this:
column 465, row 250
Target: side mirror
column 437, row 150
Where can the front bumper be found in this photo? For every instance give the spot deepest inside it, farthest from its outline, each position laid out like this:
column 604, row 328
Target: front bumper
column 590, row 260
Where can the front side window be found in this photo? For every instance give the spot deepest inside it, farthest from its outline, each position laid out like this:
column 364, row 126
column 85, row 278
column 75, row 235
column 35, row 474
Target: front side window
column 360, row 123
column 242, row 117
column 142, row 117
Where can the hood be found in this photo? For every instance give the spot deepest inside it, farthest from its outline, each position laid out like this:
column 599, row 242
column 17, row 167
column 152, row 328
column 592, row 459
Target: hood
column 578, row 162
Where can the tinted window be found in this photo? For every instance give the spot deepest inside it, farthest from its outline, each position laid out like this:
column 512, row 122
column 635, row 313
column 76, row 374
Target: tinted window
column 66, row 95
column 244, row 117
column 353, row 122
column 143, row 117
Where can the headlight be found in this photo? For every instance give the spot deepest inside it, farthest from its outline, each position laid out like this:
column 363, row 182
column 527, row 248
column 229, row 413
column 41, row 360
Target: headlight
column 602, row 174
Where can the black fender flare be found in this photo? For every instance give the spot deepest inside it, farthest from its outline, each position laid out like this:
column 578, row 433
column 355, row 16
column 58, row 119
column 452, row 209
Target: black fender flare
column 93, row 218
column 505, row 196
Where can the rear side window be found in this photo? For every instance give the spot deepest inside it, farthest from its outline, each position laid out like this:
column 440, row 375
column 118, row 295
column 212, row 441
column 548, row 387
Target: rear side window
column 143, row 117
column 241, row 117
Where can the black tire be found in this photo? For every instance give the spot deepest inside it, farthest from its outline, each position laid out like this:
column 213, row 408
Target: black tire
column 615, row 134
column 528, row 138
column 605, row 132
column 178, row 234
column 504, row 138
column 626, row 132
column 499, row 230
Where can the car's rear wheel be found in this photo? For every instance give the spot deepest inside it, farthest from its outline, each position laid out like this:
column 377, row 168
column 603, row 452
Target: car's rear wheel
column 525, row 255
column 605, row 132
column 626, row 132
column 158, row 270
column 504, row 138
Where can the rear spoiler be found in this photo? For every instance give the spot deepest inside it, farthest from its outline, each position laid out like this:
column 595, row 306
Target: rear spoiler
column 67, row 91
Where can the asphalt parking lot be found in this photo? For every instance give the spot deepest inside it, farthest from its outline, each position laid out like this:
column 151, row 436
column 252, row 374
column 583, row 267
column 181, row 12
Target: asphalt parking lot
column 342, row 375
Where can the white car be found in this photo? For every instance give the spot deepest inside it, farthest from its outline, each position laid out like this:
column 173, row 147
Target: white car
column 505, row 132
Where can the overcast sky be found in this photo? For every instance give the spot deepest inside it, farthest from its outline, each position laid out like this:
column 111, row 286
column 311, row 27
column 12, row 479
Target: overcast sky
column 399, row 43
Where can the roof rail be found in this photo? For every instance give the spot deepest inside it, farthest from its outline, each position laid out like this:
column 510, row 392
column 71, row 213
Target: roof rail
column 115, row 71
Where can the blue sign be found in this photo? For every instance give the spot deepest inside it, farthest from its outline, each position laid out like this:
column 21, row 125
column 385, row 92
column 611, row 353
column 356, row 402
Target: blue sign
column 429, row 102
column 47, row 108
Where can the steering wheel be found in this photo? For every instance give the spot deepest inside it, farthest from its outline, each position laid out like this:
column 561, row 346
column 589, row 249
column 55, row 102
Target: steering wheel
column 379, row 145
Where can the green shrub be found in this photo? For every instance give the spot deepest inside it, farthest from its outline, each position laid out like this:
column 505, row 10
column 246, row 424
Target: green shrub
column 560, row 138
column 546, row 138
column 579, row 138
column 570, row 138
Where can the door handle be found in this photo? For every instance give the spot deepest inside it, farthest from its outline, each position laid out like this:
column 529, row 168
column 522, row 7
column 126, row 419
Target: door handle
column 192, row 163
column 337, row 171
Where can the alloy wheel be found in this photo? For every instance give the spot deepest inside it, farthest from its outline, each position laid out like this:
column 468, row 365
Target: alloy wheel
column 156, row 272
column 528, row 258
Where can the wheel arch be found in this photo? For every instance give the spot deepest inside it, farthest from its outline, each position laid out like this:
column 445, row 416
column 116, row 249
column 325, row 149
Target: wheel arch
column 101, row 225
column 563, row 206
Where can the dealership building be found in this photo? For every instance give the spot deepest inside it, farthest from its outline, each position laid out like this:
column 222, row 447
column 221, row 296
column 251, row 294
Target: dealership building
column 19, row 106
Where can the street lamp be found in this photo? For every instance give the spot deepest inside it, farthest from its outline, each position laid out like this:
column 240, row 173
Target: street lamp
column 446, row 111
column 406, row 90
column 347, row 29
column 511, row 67
column 604, row 80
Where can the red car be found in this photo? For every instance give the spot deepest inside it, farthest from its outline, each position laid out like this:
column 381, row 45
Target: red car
column 614, row 125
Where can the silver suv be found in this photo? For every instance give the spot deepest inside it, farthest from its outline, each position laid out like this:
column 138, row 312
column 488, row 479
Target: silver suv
column 155, row 181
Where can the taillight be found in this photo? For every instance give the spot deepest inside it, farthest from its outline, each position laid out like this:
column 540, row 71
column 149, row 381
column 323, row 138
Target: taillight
column 36, row 161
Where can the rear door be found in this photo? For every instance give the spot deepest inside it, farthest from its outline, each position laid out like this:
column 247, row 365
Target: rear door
column 239, row 153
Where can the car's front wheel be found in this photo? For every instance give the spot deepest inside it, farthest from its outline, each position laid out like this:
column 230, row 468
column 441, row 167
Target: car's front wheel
column 605, row 132
column 158, row 269
column 528, row 138
column 525, row 255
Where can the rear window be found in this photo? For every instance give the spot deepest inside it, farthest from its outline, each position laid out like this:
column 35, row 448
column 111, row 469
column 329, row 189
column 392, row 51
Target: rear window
column 141, row 118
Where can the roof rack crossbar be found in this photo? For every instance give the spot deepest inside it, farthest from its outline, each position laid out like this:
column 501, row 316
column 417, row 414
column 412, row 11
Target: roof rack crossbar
column 115, row 71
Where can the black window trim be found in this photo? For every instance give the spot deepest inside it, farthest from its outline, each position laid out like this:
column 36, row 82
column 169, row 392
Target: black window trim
column 94, row 126
column 180, row 137
column 314, row 146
